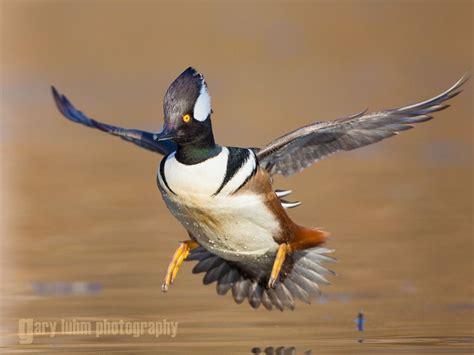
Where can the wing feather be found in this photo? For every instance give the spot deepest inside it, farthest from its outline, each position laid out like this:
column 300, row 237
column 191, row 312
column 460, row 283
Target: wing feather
column 141, row 138
column 303, row 147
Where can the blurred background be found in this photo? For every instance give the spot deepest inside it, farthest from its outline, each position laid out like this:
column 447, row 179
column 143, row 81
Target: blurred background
column 86, row 236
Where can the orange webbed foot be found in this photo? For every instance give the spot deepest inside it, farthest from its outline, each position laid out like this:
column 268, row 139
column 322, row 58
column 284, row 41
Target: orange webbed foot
column 179, row 256
column 277, row 264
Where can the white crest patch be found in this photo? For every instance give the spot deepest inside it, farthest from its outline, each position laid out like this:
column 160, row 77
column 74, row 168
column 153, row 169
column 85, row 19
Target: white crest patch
column 202, row 107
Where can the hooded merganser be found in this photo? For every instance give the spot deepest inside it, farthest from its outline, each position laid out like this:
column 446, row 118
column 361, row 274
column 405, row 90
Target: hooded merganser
column 237, row 224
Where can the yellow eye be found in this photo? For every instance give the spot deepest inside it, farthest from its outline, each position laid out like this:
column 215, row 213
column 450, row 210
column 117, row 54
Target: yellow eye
column 186, row 118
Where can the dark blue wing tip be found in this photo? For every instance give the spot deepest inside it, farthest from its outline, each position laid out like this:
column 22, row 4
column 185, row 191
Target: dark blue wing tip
column 66, row 107
column 60, row 102
column 54, row 91
column 57, row 99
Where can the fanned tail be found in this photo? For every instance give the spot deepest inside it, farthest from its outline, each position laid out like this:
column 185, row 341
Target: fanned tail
column 302, row 274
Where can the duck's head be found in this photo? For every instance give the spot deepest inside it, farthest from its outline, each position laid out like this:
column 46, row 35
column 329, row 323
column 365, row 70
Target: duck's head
column 187, row 111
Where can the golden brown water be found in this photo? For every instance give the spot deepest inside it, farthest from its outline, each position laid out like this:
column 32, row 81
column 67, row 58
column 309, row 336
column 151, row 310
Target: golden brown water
column 79, row 206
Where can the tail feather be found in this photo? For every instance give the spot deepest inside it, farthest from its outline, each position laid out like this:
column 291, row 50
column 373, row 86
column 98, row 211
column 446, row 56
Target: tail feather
column 207, row 264
column 266, row 301
column 215, row 274
column 310, row 287
column 297, row 291
column 302, row 274
column 283, row 296
column 199, row 254
column 255, row 294
column 274, row 298
column 226, row 281
column 313, row 265
column 310, row 275
column 240, row 289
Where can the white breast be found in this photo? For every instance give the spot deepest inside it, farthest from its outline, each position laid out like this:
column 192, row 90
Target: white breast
column 203, row 178
column 229, row 225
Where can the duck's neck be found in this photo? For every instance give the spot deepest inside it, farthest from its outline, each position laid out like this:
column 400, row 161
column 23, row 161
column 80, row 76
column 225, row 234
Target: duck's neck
column 197, row 151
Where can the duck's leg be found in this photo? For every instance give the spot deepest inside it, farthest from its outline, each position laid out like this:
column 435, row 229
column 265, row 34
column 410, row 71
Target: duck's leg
column 179, row 256
column 303, row 238
column 277, row 264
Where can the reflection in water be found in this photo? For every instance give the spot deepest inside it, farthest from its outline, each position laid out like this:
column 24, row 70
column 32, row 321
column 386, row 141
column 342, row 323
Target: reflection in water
column 426, row 341
column 334, row 296
column 60, row 288
column 281, row 350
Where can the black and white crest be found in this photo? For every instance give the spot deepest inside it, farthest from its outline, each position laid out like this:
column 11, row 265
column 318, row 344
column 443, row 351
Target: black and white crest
column 188, row 94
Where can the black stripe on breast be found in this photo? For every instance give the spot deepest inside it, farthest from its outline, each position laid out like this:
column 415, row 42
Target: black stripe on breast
column 162, row 174
column 236, row 159
column 248, row 177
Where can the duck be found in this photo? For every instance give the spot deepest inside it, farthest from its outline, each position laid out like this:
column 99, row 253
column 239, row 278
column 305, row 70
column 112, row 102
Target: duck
column 238, row 228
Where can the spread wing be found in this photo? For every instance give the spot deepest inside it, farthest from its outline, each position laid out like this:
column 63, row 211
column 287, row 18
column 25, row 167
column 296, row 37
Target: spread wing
column 141, row 138
column 299, row 149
